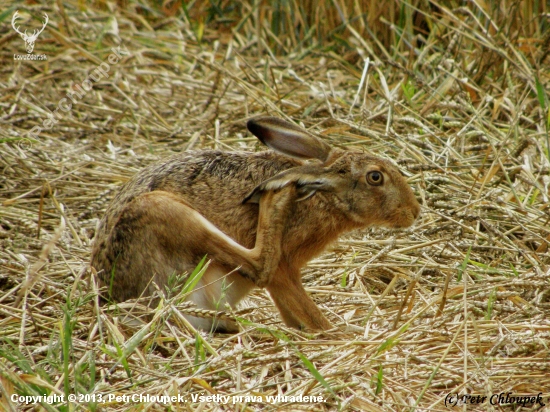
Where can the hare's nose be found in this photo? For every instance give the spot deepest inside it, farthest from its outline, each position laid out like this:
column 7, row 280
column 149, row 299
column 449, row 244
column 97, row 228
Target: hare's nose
column 416, row 209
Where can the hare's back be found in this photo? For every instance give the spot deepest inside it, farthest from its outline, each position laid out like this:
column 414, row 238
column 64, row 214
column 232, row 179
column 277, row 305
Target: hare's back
column 208, row 176
column 216, row 183
column 213, row 182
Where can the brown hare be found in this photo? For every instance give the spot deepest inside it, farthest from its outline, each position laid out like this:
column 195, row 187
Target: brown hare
column 264, row 214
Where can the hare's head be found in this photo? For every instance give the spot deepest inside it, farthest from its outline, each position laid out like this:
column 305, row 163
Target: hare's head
column 367, row 190
column 372, row 191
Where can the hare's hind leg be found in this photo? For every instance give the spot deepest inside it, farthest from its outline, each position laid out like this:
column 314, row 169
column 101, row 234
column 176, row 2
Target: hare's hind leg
column 159, row 233
column 295, row 306
column 273, row 214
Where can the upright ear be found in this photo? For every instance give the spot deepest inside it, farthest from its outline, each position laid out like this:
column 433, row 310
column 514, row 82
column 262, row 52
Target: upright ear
column 287, row 138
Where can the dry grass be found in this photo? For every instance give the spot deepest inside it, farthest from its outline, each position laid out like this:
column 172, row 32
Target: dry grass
column 458, row 304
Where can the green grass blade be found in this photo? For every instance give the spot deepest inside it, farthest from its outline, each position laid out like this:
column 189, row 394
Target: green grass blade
column 195, row 276
column 317, row 375
column 464, row 264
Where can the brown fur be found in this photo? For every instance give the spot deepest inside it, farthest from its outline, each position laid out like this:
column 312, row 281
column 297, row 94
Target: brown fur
column 171, row 214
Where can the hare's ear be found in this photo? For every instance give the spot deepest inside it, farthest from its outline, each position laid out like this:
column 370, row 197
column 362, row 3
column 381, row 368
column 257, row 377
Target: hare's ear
column 308, row 180
column 288, row 138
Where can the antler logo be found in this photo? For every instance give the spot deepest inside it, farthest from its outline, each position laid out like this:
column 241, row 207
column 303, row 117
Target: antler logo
column 28, row 39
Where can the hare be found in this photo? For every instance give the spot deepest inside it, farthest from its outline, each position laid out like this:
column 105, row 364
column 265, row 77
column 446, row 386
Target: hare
column 260, row 217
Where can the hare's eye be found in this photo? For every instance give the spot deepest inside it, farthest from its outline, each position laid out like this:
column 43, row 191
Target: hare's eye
column 375, row 178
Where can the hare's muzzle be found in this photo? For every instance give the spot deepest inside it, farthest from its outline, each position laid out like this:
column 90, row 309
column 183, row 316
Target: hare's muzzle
column 408, row 214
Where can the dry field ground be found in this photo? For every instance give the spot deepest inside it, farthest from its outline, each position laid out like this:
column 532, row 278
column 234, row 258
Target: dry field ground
column 457, row 94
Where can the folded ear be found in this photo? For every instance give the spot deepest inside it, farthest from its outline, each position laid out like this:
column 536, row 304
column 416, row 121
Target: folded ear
column 308, row 180
column 288, row 138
